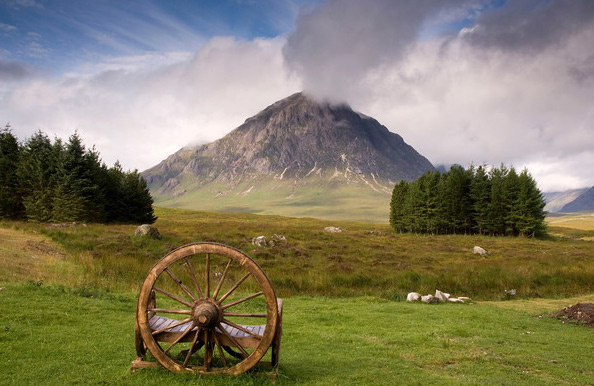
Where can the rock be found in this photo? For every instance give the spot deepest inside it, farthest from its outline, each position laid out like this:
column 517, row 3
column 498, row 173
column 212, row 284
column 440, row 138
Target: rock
column 464, row 298
column 429, row 299
column 259, row 241
column 277, row 240
column 479, row 251
column 413, row 297
column 332, row 230
column 148, row 230
column 455, row 300
column 511, row 292
column 442, row 296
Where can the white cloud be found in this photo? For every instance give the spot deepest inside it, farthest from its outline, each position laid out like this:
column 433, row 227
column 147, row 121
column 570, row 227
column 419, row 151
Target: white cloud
column 141, row 116
column 484, row 96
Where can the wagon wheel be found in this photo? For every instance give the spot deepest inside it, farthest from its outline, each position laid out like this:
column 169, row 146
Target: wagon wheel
column 203, row 300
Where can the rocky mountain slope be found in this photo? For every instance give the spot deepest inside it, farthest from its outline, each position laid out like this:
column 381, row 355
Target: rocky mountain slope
column 294, row 156
column 585, row 202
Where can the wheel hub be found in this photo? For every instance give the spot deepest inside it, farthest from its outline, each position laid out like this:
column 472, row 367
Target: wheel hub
column 206, row 314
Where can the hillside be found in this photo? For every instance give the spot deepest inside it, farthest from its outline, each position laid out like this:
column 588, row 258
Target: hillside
column 557, row 200
column 297, row 157
column 585, row 202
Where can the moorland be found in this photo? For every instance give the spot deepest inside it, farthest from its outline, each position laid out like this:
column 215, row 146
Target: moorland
column 68, row 292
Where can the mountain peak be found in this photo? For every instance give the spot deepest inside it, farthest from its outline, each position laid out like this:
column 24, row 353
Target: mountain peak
column 293, row 144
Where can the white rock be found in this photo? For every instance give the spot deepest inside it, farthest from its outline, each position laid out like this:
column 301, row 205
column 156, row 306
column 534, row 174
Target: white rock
column 429, row 299
column 455, row 300
column 464, row 298
column 442, row 296
column 479, row 251
column 332, row 230
column 259, row 241
column 413, row 297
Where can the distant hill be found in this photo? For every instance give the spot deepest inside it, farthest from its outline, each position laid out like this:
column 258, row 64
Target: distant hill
column 297, row 157
column 557, row 200
column 585, row 202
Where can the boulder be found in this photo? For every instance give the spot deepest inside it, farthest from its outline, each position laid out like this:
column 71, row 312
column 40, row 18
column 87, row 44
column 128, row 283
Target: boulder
column 479, row 251
column 429, row 299
column 332, row 230
column 442, row 296
column 259, row 241
column 413, row 297
column 277, row 240
column 148, row 230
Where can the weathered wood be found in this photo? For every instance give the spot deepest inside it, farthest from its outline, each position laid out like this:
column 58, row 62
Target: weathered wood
column 208, row 324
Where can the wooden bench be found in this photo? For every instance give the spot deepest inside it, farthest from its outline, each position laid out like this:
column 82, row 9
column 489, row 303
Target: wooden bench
column 204, row 338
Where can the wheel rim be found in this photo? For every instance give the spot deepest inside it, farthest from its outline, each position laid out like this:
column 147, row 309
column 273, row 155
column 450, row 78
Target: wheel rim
column 209, row 294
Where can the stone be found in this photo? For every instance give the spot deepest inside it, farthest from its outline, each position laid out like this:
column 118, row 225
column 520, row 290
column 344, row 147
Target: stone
column 479, row 251
column 148, row 230
column 277, row 240
column 413, row 297
column 442, row 296
column 429, row 299
column 259, row 241
column 332, row 230
column 455, row 300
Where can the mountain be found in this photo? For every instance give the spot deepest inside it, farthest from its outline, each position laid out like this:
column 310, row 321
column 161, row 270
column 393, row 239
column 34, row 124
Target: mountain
column 557, row 200
column 585, row 202
column 297, row 157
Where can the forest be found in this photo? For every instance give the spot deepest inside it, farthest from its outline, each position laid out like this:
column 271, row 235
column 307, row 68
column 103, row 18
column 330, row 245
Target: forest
column 479, row 200
column 57, row 181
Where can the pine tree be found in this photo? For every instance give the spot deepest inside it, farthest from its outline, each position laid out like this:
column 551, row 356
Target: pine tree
column 397, row 213
column 529, row 208
column 480, row 196
column 11, row 205
column 37, row 176
column 137, row 200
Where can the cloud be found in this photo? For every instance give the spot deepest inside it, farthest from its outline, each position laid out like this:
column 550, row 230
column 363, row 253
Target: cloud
column 11, row 71
column 142, row 115
column 514, row 86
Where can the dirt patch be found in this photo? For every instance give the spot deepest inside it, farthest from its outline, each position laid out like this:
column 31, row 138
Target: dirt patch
column 581, row 313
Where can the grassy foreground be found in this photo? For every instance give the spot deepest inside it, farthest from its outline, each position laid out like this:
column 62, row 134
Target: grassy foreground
column 53, row 335
column 68, row 293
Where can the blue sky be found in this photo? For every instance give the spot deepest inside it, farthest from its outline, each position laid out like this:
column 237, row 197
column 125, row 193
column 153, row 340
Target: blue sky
column 462, row 81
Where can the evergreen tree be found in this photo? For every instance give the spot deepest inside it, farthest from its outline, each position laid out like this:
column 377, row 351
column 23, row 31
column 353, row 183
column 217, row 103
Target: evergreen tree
column 75, row 187
column 529, row 208
column 397, row 213
column 37, row 175
column 498, row 205
column 11, row 205
column 480, row 197
column 137, row 200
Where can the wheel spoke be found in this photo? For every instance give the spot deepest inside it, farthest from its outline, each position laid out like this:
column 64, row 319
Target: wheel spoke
column 207, row 351
column 191, row 270
column 207, row 270
column 242, row 328
column 171, row 326
column 172, row 296
column 234, row 287
column 232, row 339
column 180, row 337
column 242, row 300
column 216, row 292
column 182, row 285
column 168, row 311
column 189, row 354
column 221, row 354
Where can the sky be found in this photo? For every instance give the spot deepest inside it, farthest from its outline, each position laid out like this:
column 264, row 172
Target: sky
column 462, row 81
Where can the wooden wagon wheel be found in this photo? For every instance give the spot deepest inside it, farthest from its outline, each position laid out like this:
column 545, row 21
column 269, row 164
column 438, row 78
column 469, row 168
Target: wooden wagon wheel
column 202, row 300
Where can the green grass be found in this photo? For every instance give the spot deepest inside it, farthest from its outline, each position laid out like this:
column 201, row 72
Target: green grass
column 364, row 260
column 53, row 335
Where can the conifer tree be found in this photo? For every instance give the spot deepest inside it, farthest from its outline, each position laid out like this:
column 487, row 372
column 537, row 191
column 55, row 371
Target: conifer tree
column 11, row 205
column 480, row 196
column 397, row 213
column 37, row 176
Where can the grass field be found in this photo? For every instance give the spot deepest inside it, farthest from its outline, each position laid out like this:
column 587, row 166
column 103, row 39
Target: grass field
column 68, row 294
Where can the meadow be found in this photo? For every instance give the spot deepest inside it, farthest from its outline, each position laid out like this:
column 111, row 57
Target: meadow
column 68, row 299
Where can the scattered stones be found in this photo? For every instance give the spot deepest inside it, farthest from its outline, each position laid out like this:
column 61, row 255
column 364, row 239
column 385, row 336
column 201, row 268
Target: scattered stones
column 148, row 230
column 440, row 297
column 479, row 251
column 332, row 230
column 581, row 313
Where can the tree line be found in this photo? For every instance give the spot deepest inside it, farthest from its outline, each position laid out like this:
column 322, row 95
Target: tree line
column 498, row 201
column 57, row 181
